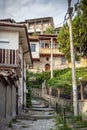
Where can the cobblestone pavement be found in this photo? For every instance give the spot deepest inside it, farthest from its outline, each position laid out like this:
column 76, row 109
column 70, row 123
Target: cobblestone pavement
column 34, row 125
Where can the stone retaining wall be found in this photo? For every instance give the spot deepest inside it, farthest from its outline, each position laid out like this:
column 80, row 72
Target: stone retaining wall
column 82, row 105
column 83, row 108
column 36, row 92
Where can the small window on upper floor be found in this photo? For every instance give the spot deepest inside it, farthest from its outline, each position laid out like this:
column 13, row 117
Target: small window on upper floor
column 42, row 44
column 33, row 47
column 4, row 43
column 63, row 61
column 46, row 45
column 47, row 58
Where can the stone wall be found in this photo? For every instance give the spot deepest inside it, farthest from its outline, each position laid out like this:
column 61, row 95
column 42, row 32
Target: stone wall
column 83, row 108
column 39, row 66
column 53, row 100
column 82, row 104
column 36, row 92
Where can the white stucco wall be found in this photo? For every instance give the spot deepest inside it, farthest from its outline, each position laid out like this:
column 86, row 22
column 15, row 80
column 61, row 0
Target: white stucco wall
column 37, row 52
column 9, row 40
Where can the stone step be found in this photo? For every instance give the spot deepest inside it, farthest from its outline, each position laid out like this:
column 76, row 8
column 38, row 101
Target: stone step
column 41, row 109
column 24, row 117
column 43, row 116
column 35, row 117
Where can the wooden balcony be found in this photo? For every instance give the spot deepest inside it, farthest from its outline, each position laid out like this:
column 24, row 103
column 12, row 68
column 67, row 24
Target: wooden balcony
column 9, row 58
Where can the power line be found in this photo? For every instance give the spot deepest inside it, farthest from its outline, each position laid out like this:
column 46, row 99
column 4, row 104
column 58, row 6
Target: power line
column 75, row 8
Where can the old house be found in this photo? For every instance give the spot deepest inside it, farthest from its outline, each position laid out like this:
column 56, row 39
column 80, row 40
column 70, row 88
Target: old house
column 15, row 56
column 41, row 53
column 38, row 25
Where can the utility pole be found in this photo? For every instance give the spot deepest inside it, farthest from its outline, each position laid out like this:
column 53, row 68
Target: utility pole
column 51, row 70
column 51, row 57
column 75, row 99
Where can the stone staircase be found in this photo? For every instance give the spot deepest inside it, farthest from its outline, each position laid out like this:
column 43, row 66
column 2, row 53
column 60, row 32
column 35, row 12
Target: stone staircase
column 39, row 110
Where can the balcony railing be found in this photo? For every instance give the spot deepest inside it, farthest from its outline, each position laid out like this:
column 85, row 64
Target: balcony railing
column 9, row 58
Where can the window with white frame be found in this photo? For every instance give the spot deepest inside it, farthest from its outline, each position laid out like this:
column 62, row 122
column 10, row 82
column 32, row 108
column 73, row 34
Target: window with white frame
column 33, row 47
column 42, row 44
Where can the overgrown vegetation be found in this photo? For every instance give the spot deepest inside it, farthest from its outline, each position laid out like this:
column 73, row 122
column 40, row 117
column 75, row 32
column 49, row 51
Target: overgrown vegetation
column 50, row 30
column 62, row 79
column 29, row 91
column 79, row 28
column 74, row 122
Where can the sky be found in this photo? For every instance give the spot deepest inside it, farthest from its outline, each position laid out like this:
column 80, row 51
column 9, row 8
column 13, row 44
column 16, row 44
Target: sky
column 20, row 10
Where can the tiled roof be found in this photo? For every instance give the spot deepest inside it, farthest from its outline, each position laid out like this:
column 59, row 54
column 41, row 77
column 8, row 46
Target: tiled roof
column 43, row 18
column 4, row 23
column 43, row 37
column 6, row 72
column 33, row 38
column 8, row 20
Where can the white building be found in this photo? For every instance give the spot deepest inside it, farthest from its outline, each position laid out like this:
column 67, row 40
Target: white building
column 15, row 55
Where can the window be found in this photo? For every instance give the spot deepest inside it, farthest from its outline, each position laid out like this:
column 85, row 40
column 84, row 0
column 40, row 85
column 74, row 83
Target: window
column 4, row 41
column 31, row 26
column 38, row 25
column 47, row 58
column 33, row 47
column 42, row 45
column 47, row 67
column 63, row 61
column 46, row 45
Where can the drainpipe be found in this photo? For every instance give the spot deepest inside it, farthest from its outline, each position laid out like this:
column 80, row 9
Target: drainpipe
column 23, row 81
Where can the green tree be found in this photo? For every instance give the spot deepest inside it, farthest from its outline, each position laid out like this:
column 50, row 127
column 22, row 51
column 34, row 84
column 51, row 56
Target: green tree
column 79, row 27
column 84, row 27
column 50, row 30
column 63, row 40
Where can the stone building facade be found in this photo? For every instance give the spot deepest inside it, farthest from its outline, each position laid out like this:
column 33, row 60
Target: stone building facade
column 41, row 53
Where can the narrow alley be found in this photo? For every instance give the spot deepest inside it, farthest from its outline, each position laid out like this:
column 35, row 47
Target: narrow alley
column 39, row 117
